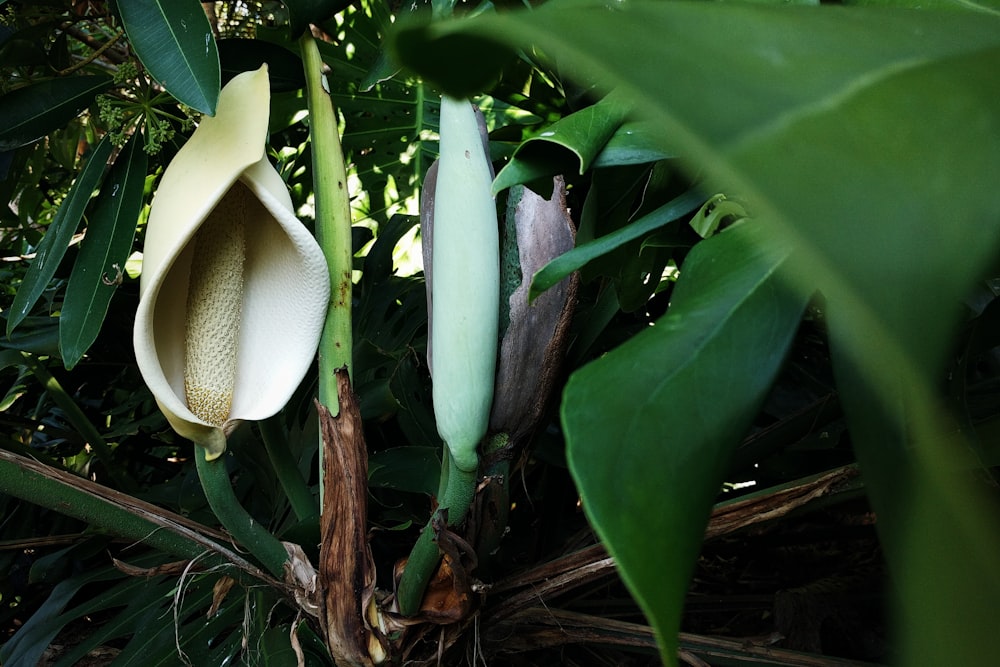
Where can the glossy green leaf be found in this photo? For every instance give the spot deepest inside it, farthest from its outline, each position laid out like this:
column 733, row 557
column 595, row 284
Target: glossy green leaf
column 568, row 146
column 774, row 61
column 38, row 336
column 31, row 112
column 635, row 142
column 962, row 5
column 174, row 42
column 918, row 476
column 895, row 252
column 576, row 258
column 100, row 266
column 58, row 235
column 650, row 426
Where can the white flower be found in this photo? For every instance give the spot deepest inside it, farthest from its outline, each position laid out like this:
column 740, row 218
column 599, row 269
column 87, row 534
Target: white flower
column 234, row 290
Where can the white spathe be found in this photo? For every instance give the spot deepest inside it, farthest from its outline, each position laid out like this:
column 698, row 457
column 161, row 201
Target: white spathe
column 286, row 284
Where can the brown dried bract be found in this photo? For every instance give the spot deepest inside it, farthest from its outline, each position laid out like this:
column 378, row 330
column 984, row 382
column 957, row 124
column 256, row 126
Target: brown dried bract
column 346, row 567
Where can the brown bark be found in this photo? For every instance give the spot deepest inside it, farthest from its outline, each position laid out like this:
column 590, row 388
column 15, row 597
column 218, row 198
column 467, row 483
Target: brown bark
column 346, row 567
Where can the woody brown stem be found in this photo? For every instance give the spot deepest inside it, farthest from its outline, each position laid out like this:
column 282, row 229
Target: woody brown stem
column 346, row 567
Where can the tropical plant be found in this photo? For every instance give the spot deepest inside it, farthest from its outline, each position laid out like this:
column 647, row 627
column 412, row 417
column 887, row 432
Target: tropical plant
column 744, row 347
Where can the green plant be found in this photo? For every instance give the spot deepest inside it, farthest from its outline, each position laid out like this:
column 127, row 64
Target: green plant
column 782, row 274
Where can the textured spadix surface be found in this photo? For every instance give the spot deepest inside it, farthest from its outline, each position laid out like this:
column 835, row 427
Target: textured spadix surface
column 233, row 287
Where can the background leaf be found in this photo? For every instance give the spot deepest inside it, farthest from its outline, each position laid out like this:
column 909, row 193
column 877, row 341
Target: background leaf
column 174, row 42
column 58, row 235
column 303, row 12
column 100, row 266
column 414, row 469
column 284, row 68
column 33, row 111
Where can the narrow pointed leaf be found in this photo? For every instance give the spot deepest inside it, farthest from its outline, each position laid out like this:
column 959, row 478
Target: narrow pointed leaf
column 650, row 426
column 99, row 267
column 565, row 264
column 174, row 42
column 31, row 112
column 58, row 235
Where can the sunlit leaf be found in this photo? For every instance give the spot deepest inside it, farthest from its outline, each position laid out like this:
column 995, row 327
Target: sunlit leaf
column 635, row 142
column 58, row 235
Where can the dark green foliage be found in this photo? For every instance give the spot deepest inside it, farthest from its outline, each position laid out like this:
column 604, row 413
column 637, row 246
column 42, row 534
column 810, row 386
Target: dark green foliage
column 833, row 306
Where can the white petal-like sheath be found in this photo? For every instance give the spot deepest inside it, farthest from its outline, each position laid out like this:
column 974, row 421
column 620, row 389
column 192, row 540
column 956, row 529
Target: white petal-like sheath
column 285, row 279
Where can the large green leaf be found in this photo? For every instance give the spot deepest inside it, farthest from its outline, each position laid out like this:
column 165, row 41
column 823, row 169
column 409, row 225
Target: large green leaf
column 174, row 42
column 31, row 112
column 100, row 266
column 56, row 241
column 868, row 137
column 650, row 427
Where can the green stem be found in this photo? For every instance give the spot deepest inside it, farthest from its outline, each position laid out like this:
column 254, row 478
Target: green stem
column 295, row 487
column 112, row 513
column 75, row 416
column 333, row 223
column 333, row 231
column 248, row 533
column 460, row 489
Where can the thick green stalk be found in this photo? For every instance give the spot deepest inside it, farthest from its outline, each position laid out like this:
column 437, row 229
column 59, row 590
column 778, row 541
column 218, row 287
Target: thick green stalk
column 296, row 490
column 333, row 231
column 79, row 420
column 250, row 534
column 459, row 490
column 333, row 223
column 113, row 513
